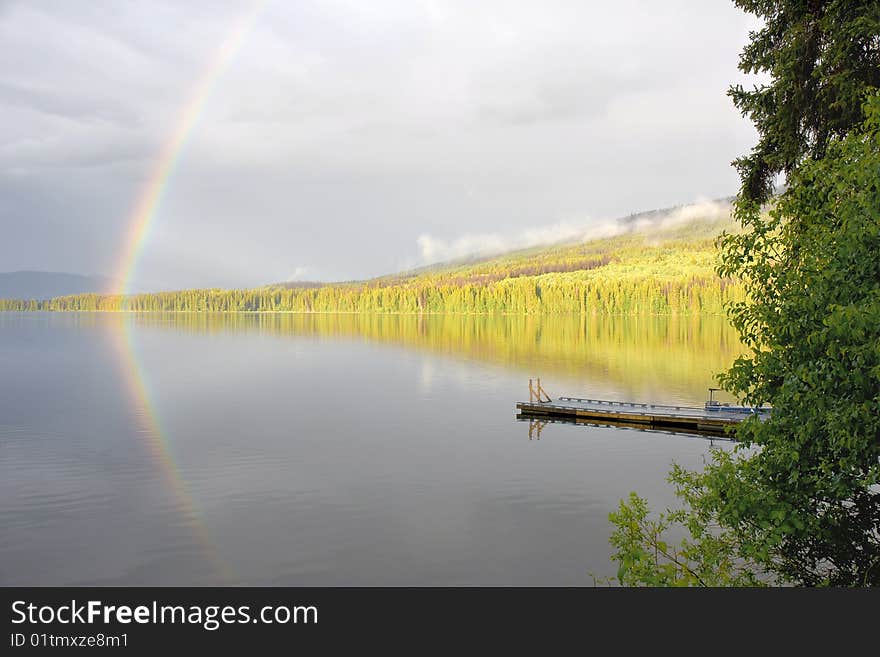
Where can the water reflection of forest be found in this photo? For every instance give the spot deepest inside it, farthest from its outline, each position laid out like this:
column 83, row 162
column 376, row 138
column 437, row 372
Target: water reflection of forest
column 643, row 354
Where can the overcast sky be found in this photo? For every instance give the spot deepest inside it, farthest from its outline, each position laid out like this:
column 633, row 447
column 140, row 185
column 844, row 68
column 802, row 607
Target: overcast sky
column 348, row 139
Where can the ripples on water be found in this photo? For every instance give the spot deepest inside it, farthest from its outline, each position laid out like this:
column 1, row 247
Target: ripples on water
column 331, row 449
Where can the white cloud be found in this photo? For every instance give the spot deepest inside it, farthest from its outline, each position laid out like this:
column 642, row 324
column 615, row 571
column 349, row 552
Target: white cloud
column 433, row 250
column 298, row 274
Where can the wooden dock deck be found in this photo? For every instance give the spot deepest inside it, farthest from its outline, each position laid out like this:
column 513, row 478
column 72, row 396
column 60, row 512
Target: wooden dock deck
column 708, row 419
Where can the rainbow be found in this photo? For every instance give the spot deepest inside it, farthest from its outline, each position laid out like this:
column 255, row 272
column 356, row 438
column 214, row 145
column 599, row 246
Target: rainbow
column 156, row 440
column 150, row 198
column 139, row 223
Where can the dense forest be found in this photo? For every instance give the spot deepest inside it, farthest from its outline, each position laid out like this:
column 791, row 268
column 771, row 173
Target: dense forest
column 662, row 271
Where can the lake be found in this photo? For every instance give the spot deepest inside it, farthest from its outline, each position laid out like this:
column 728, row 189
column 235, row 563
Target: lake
column 281, row 449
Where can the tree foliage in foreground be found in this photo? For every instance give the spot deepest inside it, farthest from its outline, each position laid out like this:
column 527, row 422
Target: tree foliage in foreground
column 821, row 56
column 799, row 501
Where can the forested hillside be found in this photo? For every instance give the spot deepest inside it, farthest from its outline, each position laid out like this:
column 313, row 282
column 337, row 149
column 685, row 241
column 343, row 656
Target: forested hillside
column 647, row 270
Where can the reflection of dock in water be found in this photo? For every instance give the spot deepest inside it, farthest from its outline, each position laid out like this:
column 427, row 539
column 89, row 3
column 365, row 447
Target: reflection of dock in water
column 537, row 425
column 711, row 419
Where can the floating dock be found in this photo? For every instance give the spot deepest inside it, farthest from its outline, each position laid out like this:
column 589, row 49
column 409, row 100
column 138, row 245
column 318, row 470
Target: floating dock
column 713, row 418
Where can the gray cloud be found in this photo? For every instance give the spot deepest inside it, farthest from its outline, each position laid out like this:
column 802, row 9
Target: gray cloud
column 341, row 132
column 56, row 103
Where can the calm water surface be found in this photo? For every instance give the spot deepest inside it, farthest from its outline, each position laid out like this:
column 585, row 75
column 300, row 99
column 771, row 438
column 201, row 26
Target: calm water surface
column 329, row 449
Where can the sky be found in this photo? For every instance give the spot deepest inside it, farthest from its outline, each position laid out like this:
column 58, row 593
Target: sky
column 348, row 139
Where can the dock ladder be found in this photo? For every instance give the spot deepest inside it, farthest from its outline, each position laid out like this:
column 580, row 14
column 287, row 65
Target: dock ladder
column 537, row 393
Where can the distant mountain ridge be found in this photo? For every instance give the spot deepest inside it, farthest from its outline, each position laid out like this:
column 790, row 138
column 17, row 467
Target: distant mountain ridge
column 41, row 285
column 701, row 215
